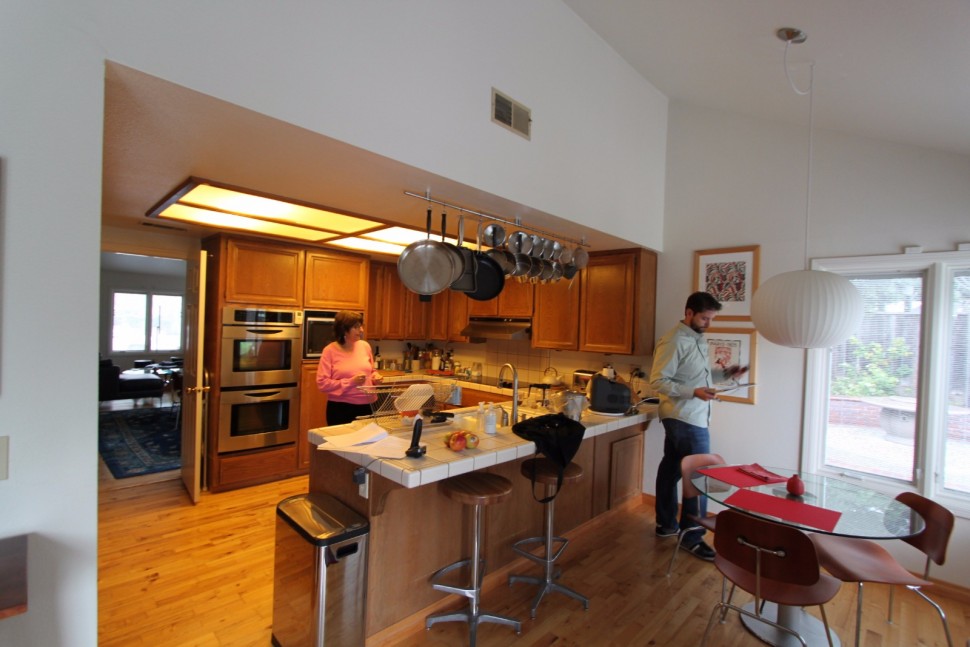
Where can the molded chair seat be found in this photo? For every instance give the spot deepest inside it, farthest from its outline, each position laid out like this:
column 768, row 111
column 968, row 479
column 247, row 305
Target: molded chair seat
column 774, row 563
column 860, row 560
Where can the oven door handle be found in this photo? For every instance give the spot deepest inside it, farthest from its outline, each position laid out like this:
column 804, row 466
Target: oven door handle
column 262, row 394
column 265, row 331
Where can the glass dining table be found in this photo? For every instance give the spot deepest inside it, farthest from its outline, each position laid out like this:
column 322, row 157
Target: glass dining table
column 828, row 505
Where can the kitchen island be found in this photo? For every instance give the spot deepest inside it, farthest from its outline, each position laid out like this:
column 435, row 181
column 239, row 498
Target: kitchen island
column 414, row 530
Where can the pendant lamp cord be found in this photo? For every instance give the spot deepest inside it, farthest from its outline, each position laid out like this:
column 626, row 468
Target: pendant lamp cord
column 811, row 130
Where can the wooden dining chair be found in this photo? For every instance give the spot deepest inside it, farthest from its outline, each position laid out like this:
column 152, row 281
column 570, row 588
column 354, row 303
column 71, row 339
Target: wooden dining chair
column 861, row 560
column 772, row 562
column 688, row 466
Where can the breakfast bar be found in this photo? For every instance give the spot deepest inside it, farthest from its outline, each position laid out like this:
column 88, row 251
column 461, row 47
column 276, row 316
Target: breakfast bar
column 414, row 530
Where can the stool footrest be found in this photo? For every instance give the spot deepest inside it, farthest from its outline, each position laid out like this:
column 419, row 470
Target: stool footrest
column 437, row 576
column 519, row 547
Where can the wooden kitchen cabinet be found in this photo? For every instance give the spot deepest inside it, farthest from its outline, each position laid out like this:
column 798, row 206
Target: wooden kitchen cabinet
column 515, row 300
column 439, row 315
column 313, row 412
column 336, row 281
column 555, row 324
column 457, row 316
column 618, row 468
column 400, row 314
column 263, row 273
column 618, row 302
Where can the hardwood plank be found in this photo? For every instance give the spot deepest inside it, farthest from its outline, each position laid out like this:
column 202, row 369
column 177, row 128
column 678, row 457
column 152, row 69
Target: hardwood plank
column 171, row 573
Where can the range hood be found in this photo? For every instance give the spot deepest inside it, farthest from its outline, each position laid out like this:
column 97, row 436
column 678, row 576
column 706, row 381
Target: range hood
column 481, row 328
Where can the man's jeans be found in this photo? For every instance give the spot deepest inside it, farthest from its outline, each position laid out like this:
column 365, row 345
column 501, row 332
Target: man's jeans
column 680, row 440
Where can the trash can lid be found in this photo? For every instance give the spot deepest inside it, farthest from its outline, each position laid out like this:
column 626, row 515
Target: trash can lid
column 321, row 519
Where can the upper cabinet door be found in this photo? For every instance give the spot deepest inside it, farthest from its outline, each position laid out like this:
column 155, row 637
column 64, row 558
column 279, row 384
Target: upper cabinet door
column 555, row 323
column 336, row 281
column 617, row 308
column 262, row 273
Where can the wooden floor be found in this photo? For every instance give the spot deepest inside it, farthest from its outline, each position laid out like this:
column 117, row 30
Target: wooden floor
column 174, row 574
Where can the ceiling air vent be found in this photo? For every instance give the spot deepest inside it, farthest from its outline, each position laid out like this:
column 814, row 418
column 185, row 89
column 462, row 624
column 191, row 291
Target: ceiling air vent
column 511, row 114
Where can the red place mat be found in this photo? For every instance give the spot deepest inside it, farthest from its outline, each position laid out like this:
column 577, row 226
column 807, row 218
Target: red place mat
column 732, row 475
column 784, row 508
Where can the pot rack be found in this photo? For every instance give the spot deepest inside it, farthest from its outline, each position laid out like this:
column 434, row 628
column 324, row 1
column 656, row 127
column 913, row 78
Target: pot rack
column 516, row 223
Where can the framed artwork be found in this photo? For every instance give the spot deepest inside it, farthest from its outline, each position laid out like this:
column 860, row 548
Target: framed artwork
column 733, row 347
column 731, row 276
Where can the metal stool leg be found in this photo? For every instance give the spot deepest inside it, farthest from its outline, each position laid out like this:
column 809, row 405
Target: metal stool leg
column 547, row 583
column 471, row 614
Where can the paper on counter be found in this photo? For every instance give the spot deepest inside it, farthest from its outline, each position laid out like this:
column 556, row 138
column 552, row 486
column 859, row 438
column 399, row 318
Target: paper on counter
column 388, row 447
column 370, row 433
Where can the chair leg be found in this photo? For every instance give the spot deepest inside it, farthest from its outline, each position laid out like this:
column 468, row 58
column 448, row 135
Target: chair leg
column 939, row 610
column 858, row 615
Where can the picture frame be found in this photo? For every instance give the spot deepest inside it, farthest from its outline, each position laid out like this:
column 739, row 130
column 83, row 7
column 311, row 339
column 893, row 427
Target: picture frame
column 730, row 347
column 730, row 274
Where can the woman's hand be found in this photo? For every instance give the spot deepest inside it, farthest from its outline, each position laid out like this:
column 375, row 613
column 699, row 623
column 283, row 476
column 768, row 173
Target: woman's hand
column 360, row 379
column 376, row 377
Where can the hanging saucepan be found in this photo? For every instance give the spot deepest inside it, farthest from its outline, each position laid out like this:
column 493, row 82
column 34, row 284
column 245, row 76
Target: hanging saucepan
column 426, row 266
column 523, row 264
column 494, row 235
column 557, row 271
column 580, row 258
column 459, row 259
column 468, row 281
column 556, row 250
column 569, row 270
column 504, row 258
column 519, row 243
column 491, row 278
column 536, row 270
column 566, row 256
column 547, row 270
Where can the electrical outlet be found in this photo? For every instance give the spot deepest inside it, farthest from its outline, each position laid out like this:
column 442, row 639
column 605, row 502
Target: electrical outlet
column 363, row 489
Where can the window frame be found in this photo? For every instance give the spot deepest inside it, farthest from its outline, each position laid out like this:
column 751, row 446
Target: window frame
column 149, row 296
column 939, row 270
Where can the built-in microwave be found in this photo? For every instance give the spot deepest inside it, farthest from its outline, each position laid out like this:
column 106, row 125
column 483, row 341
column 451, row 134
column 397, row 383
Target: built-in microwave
column 317, row 332
column 260, row 347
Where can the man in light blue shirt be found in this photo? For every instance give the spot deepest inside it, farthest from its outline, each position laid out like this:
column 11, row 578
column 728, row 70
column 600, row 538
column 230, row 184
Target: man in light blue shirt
column 683, row 378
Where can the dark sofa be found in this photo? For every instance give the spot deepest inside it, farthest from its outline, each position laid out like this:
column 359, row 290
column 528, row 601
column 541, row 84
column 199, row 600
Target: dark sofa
column 115, row 385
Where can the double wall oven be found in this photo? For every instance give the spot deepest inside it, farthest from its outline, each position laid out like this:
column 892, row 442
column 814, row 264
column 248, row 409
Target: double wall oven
column 259, row 378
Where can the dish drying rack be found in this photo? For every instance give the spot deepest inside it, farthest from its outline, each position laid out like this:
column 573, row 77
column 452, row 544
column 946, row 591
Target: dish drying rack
column 396, row 401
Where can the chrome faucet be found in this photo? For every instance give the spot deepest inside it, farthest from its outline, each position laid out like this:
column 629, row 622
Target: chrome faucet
column 515, row 389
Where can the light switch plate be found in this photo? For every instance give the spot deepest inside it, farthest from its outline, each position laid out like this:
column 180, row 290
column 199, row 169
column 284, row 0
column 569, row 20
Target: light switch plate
column 4, row 451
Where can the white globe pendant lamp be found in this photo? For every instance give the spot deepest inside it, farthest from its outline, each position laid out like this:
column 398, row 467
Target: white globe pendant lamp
column 806, row 308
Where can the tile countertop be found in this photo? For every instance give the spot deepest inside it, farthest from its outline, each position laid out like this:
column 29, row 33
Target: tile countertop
column 440, row 462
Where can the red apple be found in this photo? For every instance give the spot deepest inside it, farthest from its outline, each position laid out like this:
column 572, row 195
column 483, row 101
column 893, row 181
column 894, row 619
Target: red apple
column 457, row 442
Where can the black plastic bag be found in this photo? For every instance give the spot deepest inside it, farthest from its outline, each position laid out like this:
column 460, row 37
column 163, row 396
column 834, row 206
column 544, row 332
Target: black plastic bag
column 556, row 437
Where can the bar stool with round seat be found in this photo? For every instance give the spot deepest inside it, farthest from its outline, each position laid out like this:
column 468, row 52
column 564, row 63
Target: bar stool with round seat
column 477, row 489
column 547, row 473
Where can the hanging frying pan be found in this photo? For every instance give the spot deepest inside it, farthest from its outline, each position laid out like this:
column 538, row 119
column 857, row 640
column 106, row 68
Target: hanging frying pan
column 468, row 281
column 491, row 278
column 426, row 266
column 504, row 258
column 459, row 258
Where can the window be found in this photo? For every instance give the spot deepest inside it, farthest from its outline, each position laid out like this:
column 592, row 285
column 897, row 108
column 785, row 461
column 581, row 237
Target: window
column 892, row 404
column 146, row 322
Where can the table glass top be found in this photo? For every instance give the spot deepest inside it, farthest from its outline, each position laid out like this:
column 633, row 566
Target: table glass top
column 829, row 505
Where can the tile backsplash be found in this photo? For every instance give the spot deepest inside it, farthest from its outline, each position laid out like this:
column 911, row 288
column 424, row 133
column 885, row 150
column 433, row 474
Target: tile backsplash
column 531, row 363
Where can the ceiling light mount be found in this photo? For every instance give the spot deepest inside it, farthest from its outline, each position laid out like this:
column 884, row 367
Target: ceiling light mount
column 792, row 35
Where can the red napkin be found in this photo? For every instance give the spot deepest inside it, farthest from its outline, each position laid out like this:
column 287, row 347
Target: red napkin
column 785, row 508
column 761, row 473
column 733, row 475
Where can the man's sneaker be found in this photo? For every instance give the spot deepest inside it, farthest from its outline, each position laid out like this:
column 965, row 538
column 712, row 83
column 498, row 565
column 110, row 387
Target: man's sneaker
column 666, row 532
column 700, row 550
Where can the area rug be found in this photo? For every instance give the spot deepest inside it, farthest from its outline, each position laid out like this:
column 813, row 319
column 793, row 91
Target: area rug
column 140, row 441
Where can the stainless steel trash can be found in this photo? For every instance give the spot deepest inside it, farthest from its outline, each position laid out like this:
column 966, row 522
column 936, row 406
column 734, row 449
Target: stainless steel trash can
column 320, row 574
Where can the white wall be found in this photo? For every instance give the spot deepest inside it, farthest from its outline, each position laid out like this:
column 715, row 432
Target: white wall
column 409, row 80
column 735, row 181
